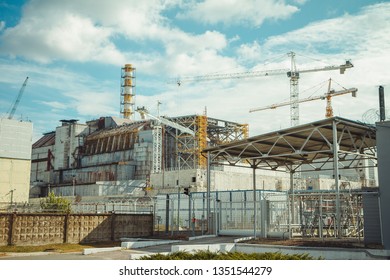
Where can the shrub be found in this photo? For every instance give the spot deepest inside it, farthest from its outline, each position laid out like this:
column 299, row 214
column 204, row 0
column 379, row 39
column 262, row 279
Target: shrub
column 55, row 204
column 208, row 255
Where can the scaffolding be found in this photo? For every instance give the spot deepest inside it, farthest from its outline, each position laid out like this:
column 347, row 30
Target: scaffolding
column 184, row 151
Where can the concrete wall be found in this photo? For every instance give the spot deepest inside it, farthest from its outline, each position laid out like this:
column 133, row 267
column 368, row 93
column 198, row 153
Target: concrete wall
column 100, row 188
column 143, row 153
column 186, row 177
column 234, row 178
column 66, row 143
column 40, row 229
column 15, row 160
column 15, row 139
column 14, row 180
column 39, row 159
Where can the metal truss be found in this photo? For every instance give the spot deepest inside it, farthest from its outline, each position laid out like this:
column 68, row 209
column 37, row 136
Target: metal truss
column 310, row 145
column 208, row 132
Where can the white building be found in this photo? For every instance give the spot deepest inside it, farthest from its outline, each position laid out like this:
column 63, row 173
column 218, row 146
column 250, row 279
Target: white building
column 15, row 160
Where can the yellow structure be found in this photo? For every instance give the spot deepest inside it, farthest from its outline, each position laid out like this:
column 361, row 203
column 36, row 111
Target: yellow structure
column 201, row 139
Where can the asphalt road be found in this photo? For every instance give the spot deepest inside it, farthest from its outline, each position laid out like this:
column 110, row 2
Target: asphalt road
column 113, row 255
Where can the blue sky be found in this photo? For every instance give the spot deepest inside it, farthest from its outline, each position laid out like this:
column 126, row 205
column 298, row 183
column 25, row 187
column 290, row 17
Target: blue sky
column 73, row 52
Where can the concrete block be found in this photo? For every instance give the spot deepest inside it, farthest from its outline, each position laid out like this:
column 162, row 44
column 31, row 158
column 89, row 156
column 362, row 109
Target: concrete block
column 89, row 251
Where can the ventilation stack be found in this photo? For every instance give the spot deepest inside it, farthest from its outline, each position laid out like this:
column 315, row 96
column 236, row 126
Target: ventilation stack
column 127, row 91
column 382, row 110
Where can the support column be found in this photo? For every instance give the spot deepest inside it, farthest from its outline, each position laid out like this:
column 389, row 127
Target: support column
column 254, row 203
column 336, row 178
column 292, row 196
column 208, row 213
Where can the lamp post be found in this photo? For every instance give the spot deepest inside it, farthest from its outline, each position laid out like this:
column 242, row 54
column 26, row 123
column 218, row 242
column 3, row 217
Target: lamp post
column 178, row 193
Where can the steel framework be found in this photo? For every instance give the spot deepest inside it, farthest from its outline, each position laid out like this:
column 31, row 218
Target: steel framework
column 187, row 149
column 330, row 144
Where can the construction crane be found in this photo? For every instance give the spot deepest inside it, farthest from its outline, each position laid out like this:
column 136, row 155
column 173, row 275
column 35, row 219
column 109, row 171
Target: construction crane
column 16, row 103
column 293, row 73
column 157, row 136
column 144, row 112
column 327, row 96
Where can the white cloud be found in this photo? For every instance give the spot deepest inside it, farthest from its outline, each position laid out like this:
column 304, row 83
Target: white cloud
column 62, row 35
column 2, row 25
column 82, row 30
column 233, row 12
column 349, row 34
column 85, row 31
column 361, row 37
column 91, row 103
column 55, row 105
column 249, row 52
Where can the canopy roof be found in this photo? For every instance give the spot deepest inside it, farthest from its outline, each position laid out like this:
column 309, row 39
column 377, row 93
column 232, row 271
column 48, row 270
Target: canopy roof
column 309, row 144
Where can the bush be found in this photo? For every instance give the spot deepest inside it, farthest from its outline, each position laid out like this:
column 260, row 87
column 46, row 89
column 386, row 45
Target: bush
column 207, row 255
column 55, row 204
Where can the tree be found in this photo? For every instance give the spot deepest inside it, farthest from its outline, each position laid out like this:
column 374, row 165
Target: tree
column 55, row 204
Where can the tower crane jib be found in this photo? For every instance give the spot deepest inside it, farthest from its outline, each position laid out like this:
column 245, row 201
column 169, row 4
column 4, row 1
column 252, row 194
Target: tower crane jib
column 18, row 98
column 327, row 96
column 293, row 74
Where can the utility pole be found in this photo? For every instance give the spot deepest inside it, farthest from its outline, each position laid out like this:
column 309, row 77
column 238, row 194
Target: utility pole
column 73, row 183
column 12, row 196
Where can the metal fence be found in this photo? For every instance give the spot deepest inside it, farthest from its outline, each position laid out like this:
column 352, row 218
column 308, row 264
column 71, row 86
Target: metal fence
column 245, row 212
column 231, row 212
column 267, row 214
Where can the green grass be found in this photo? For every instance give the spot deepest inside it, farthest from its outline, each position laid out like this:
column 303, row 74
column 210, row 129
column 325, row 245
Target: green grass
column 207, row 255
column 61, row 248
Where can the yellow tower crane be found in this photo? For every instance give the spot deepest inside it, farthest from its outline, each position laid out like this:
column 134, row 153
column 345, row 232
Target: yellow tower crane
column 327, row 96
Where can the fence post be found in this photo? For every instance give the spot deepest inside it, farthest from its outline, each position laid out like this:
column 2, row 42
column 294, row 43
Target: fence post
column 113, row 226
column 11, row 232
column 66, row 228
column 167, row 214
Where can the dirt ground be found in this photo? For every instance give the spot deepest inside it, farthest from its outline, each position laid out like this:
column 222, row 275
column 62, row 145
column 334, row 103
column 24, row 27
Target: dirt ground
column 298, row 241
column 315, row 242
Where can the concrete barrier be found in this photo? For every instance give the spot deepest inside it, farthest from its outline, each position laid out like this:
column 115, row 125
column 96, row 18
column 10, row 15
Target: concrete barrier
column 223, row 248
column 139, row 243
column 89, row 251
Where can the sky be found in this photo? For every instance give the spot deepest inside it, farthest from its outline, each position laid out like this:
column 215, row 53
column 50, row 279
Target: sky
column 73, row 51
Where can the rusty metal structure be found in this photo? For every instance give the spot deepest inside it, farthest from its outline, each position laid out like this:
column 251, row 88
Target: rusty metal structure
column 115, row 156
column 209, row 132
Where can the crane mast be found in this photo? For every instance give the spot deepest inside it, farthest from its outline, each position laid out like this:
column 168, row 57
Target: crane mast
column 12, row 112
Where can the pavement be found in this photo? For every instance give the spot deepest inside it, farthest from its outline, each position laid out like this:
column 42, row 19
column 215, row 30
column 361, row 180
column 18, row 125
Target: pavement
column 217, row 243
column 116, row 254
